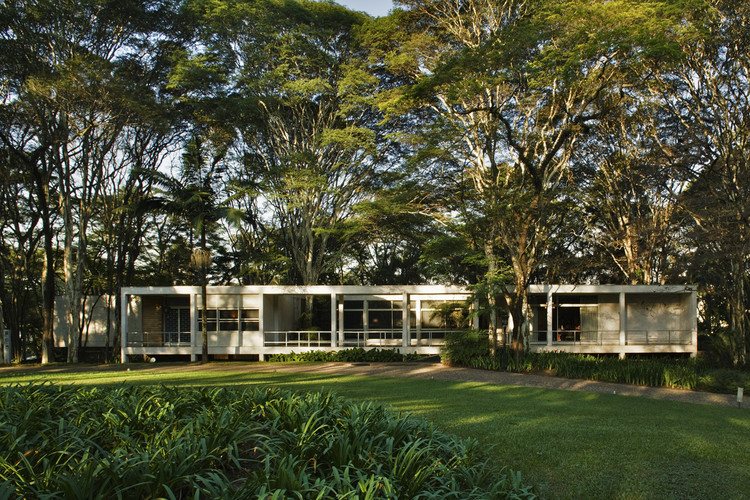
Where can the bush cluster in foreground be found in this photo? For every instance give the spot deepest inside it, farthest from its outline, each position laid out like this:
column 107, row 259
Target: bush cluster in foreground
column 159, row 442
column 355, row 355
column 471, row 349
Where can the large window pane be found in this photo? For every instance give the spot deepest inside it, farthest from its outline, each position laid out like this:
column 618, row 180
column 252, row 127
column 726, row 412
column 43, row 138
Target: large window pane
column 250, row 320
column 380, row 320
column 431, row 319
column 211, row 322
column 398, row 319
column 379, row 304
column 353, row 320
column 228, row 320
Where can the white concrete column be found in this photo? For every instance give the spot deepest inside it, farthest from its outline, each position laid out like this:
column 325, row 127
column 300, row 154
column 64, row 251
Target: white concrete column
column 124, row 307
column 623, row 319
column 262, row 323
column 193, row 325
column 340, row 339
column 694, row 322
column 549, row 317
column 405, row 340
column 334, row 317
column 418, row 314
column 365, row 321
column 261, row 312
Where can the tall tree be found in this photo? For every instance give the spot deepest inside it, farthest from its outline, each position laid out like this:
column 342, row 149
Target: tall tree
column 309, row 144
column 708, row 96
column 627, row 186
column 71, row 94
column 19, row 256
column 515, row 86
column 195, row 195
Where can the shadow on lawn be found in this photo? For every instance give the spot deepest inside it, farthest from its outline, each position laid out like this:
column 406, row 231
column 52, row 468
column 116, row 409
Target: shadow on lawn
column 571, row 444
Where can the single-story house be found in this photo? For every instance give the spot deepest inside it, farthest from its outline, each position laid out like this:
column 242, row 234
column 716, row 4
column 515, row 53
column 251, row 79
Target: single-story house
column 257, row 321
column 622, row 319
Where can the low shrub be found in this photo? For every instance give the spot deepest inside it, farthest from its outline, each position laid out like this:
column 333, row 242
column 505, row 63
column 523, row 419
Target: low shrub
column 160, row 442
column 691, row 373
column 461, row 348
column 355, row 355
column 724, row 380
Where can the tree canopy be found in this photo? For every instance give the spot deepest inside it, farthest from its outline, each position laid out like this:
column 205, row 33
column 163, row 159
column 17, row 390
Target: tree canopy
column 495, row 143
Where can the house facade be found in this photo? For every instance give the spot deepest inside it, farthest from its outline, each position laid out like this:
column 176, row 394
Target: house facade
column 622, row 319
column 249, row 322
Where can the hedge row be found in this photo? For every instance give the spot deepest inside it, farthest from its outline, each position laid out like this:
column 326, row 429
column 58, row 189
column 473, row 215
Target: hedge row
column 471, row 349
column 347, row 355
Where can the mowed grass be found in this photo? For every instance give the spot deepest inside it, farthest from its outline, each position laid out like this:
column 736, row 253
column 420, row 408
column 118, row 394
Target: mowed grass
column 568, row 444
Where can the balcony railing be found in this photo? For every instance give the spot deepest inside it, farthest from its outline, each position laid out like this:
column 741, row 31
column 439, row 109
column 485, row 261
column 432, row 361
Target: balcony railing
column 658, row 337
column 158, row 339
column 372, row 338
column 429, row 337
column 612, row 337
column 298, row 338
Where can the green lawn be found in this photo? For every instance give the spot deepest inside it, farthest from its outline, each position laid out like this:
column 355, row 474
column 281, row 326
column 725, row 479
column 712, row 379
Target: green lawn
column 569, row 444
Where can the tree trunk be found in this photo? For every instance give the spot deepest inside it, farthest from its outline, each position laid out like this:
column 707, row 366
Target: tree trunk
column 204, row 308
column 69, row 275
column 48, row 301
column 492, row 295
column 48, row 272
column 737, row 308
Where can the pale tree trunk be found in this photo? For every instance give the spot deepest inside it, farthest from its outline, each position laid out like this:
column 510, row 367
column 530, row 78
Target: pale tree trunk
column 201, row 260
column 48, row 301
column 737, row 310
column 523, row 260
column 516, row 300
column 73, row 257
column 492, row 294
column 74, row 268
column 71, row 294
column 48, row 271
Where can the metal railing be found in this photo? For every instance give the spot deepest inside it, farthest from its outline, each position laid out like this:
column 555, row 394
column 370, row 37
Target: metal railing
column 612, row 337
column 658, row 337
column 372, row 338
column 298, row 338
column 588, row 337
column 158, row 339
column 429, row 337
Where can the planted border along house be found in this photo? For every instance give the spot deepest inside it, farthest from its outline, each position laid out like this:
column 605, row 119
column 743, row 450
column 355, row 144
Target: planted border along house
column 257, row 321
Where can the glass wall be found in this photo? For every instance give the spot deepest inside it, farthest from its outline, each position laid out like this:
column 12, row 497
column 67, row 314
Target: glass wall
column 176, row 320
column 230, row 320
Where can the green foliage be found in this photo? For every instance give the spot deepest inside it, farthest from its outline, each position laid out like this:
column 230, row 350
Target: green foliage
column 651, row 372
column 354, row 355
column 466, row 350
column 152, row 442
column 724, row 380
column 461, row 348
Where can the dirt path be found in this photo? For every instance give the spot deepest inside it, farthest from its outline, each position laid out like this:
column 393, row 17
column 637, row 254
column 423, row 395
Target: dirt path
column 438, row 371
column 434, row 371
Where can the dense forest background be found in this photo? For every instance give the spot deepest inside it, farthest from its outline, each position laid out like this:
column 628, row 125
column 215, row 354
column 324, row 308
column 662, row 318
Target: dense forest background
column 484, row 142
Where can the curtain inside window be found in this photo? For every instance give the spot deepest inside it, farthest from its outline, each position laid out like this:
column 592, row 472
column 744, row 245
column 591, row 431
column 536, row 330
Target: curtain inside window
column 589, row 323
